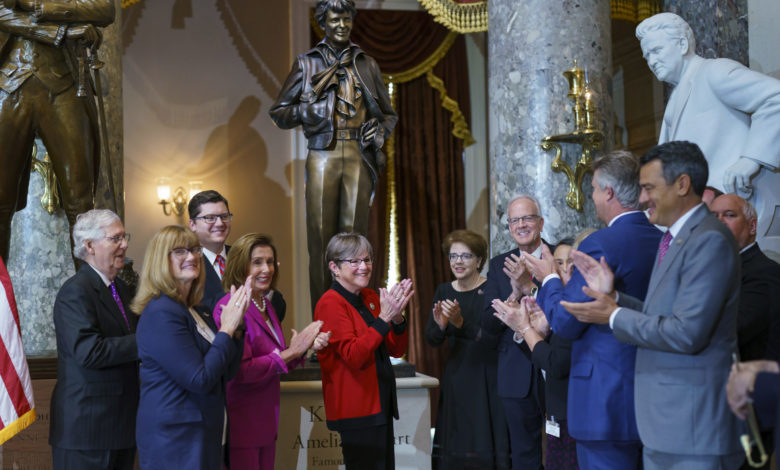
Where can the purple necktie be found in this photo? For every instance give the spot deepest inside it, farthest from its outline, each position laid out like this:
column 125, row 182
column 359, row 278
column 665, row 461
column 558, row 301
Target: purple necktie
column 118, row 301
column 667, row 240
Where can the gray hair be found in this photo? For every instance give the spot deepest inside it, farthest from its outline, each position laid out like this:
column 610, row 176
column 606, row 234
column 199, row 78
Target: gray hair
column 347, row 245
column 91, row 225
column 517, row 197
column 749, row 210
column 673, row 25
column 620, row 171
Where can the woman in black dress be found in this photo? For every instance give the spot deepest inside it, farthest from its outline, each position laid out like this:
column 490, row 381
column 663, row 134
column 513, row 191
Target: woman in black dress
column 470, row 428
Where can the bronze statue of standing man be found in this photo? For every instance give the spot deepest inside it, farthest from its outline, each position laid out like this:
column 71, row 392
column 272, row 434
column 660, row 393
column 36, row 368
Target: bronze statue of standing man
column 45, row 90
column 336, row 92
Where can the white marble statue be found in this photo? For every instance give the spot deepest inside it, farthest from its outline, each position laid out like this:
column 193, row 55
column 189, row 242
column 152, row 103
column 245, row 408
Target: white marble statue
column 730, row 111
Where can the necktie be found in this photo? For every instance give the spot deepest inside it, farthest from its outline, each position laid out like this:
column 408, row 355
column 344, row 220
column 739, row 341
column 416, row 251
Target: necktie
column 221, row 265
column 118, row 301
column 667, row 240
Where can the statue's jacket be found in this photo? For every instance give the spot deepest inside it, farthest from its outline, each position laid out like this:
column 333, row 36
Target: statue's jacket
column 297, row 103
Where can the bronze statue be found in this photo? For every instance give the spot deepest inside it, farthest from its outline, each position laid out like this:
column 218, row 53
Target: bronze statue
column 45, row 88
column 335, row 91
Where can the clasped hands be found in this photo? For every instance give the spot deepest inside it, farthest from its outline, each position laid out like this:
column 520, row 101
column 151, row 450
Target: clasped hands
column 447, row 311
column 393, row 301
column 521, row 315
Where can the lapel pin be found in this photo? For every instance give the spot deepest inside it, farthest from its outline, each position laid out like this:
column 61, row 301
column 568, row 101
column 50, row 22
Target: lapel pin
column 371, row 305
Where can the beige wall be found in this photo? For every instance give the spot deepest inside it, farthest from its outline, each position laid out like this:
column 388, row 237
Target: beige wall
column 196, row 103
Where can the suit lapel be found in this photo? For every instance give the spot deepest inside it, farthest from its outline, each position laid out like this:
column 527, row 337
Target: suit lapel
column 254, row 314
column 679, row 98
column 107, row 299
column 675, row 248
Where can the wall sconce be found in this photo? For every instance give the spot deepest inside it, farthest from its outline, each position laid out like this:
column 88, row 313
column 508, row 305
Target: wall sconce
column 178, row 201
column 195, row 188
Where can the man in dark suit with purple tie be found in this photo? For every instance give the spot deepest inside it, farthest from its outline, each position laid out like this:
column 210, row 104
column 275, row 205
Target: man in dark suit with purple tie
column 95, row 399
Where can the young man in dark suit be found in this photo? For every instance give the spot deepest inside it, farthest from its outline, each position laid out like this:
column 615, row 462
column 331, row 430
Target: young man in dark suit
column 210, row 219
column 95, row 399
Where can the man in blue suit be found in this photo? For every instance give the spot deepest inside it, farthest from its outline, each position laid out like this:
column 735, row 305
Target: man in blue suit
column 520, row 384
column 686, row 328
column 601, row 383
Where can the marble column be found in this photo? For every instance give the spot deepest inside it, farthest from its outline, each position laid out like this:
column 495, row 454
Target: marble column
column 719, row 26
column 530, row 44
column 40, row 257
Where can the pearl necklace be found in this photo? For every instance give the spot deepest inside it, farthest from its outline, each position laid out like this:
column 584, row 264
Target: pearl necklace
column 262, row 309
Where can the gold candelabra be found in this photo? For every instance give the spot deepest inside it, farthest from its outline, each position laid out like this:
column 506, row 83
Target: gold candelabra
column 585, row 134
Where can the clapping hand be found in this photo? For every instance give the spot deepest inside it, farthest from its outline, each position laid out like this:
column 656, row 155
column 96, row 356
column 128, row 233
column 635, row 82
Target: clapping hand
column 597, row 274
column 451, row 310
column 438, row 316
column 321, row 341
column 303, row 341
column 519, row 277
column 232, row 317
column 542, row 267
column 538, row 320
column 515, row 317
column 393, row 301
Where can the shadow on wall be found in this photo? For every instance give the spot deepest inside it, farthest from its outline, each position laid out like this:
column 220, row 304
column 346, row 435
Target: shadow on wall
column 237, row 155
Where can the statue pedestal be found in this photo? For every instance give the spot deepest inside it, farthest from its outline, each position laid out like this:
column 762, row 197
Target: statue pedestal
column 305, row 442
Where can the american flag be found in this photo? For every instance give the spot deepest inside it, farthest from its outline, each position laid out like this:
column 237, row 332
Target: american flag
column 17, row 408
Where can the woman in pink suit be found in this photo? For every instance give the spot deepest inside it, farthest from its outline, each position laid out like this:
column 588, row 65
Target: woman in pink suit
column 253, row 395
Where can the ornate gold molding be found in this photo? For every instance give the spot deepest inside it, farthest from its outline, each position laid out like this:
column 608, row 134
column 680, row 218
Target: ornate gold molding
column 634, row 11
column 129, row 3
column 590, row 141
column 459, row 17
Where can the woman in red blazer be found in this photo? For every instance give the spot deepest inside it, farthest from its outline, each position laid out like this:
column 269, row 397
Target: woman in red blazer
column 253, row 395
column 358, row 383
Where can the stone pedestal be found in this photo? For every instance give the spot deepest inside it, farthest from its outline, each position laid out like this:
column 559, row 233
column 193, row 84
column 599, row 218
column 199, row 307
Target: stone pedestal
column 304, row 441
column 39, row 263
column 530, row 44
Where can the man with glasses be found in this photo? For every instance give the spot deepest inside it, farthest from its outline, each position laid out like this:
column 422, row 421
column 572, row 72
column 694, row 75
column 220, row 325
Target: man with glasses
column 94, row 402
column 210, row 219
column 520, row 384
column 600, row 409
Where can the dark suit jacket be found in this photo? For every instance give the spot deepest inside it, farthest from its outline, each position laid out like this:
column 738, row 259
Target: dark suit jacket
column 514, row 360
column 601, row 381
column 758, row 322
column 554, row 356
column 95, row 399
column 183, row 377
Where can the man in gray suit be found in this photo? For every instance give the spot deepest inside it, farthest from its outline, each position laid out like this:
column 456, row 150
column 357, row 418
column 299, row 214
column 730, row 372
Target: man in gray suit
column 686, row 328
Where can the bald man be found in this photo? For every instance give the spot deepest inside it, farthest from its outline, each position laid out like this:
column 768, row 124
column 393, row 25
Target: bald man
column 758, row 321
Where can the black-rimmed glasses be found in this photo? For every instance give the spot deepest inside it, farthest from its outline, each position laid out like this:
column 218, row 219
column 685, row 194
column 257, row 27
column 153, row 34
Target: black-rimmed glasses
column 356, row 262
column 181, row 252
column 212, row 218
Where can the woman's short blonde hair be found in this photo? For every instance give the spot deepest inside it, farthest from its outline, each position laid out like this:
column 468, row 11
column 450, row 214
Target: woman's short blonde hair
column 239, row 257
column 347, row 245
column 156, row 276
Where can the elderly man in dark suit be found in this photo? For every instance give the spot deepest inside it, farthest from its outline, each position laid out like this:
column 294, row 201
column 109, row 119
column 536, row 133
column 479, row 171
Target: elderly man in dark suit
column 40, row 45
column 685, row 330
column 336, row 92
column 210, row 219
column 758, row 323
column 520, row 383
column 95, row 399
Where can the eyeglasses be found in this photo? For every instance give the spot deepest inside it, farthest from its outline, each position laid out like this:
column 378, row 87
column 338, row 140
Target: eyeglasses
column 212, row 218
column 356, row 262
column 465, row 257
column 117, row 239
column 181, row 252
column 529, row 219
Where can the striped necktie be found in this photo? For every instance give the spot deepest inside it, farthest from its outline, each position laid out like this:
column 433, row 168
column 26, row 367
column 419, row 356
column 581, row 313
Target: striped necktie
column 221, row 265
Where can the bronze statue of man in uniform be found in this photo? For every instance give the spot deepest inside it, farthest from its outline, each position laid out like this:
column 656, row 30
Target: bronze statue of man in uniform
column 335, row 91
column 45, row 89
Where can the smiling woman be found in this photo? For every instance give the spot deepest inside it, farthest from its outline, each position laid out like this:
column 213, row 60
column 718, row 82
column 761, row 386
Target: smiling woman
column 358, row 384
column 253, row 395
column 185, row 359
